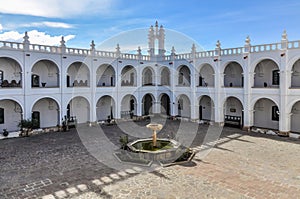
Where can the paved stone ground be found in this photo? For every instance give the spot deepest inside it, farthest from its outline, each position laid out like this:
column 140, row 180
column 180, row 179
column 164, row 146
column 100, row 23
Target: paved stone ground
column 241, row 165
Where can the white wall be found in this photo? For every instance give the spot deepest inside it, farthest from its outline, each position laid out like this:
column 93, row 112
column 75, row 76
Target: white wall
column 80, row 108
column 48, row 109
column 11, row 69
column 295, row 118
column 48, row 73
column 207, row 108
column 12, row 115
column 207, row 73
column 296, row 74
column 104, row 106
column 233, row 74
column 263, row 114
column 263, row 73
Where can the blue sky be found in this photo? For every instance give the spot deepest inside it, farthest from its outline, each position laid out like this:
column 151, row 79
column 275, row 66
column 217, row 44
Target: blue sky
column 81, row 21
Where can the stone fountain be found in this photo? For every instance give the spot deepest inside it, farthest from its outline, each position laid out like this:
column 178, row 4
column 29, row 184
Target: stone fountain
column 165, row 151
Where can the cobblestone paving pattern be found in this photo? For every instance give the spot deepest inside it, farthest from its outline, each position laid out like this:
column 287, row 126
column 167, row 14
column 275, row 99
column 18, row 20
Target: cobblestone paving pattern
column 241, row 165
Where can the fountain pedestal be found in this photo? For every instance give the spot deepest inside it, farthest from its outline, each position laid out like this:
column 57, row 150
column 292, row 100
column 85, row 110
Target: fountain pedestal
column 154, row 127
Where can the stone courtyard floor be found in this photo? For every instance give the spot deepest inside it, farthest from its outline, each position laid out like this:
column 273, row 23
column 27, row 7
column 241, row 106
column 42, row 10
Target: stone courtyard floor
column 238, row 164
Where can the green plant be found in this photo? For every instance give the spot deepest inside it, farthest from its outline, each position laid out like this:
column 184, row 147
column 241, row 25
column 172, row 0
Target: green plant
column 26, row 125
column 124, row 141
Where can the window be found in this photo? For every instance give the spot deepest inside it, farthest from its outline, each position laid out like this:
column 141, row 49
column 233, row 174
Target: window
column 275, row 113
column 275, row 77
column 1, row 115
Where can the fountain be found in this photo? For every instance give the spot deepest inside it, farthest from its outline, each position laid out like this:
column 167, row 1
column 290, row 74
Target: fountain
column 165, row 151
column 154, row 128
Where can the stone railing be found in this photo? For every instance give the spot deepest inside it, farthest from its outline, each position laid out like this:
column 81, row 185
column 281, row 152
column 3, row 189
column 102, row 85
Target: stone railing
column 11, row 45
column 114, row 55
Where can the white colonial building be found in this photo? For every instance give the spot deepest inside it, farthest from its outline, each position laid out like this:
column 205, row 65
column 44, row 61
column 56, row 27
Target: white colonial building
column 252, row 86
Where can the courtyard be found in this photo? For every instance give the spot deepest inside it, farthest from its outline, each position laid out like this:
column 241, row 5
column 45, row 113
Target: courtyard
column 230, row 164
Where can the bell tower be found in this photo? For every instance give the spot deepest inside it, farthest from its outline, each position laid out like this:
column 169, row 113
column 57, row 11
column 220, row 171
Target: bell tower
column 156, row 40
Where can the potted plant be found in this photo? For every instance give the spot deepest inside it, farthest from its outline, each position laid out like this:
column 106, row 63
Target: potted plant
column 5, row 133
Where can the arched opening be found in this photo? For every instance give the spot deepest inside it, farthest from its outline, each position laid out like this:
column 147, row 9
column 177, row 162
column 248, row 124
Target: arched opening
column 128, row 106
column 184, row 106
column 46, row 112
column 78, row 75
column 206, row 76
column 266, row 74
column 234, row 112
column 148, row 104
column 10, row 73
column 105, row 108
column 233, row 75
column 128, row 76
column 296, row 75
column 45, row 73
column 165, row 104
column 79, row 109
column 295, row 118
column 10, row 115
column 165, row 77
column 106, row 76
column 206, row 109
column 147, row 77
column 184, row 76
column 266, row 114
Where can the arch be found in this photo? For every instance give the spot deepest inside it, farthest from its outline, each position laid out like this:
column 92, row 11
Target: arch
column 10, row 114
column 148, row 102
column 128, row 106
column 11, row 73
column 148, row 76
column 46, row 112
column 266, row 74
column 295, row 76
column 128, row 76
column 165, row 77
column 184, row 76
column 233, row 75
column 79, row 109
column 78, row 75
column 295, row 117
column 233, row 111
column 45, row 73
column 165, row 101
column 106, row 75
column 206, row 76
column 105, row 108
column 206, row 108
column 266, row 114
column 184, row 106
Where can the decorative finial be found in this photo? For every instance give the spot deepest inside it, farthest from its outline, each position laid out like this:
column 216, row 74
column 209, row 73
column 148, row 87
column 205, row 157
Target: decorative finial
column 173, row 51
column 118, row 49
column 247, row 40
column 63, row 42
column 139, row 50
column 92, row 45
column 284, row 35
column 26, row 38
column 218, row 44
column 193, row 48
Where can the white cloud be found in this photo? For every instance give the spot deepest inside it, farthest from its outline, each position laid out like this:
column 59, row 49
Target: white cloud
column 1, row 27
column 47, row 24
column 35, row 37
column 56, row 8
